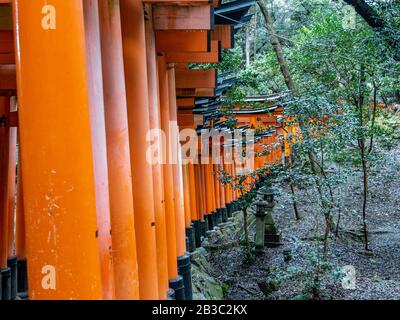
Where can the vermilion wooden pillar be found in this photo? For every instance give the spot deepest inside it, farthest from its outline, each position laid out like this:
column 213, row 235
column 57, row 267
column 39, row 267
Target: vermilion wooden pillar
column 177, row 169
column 20, row 246
column 11, row 186
column 193, row 191
column 168, row 172
column 197, row 197
column 186, row 190
column 216, row 187
column 99, row 145
column 200, row 191
column 4, row 159
column 57, row 157
column 206, row 201
column 210, row 190
column 158, row 179
column 221, row 186
column 134, row 44
column 118, row 154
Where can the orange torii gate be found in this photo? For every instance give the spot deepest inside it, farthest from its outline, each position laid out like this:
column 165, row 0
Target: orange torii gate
column 266, row 119
column 94, row 218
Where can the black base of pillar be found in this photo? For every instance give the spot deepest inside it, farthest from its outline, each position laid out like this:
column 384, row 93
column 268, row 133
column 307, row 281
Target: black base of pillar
column 219, row 216
column 178, row 287
column 191, row 243
column 22, row 277
column 207, row 221
column 12, row 264
column 203, row 227
column 197, row 233
column 185, row 271
column 230, row 210
column 224, row 215
column 6, row 283
column 211, row 221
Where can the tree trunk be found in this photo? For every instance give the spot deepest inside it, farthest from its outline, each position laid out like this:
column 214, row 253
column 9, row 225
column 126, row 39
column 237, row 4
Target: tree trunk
column 293, row 190
column 397, row 96
column 255, row 35
column 362, row 151
column 365, row 194
column 294, row 202
column 247, row 47
column 276, row 44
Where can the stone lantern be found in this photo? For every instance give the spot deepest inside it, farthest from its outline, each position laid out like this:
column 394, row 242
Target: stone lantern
column 261, row 212
column 273, row 237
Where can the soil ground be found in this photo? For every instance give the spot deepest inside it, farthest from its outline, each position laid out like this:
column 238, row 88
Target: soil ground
column 376, row 276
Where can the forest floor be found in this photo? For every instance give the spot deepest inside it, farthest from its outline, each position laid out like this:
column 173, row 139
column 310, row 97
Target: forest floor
column 376, row 275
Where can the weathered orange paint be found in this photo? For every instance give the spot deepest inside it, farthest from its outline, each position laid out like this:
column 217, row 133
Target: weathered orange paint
column 11, row 185
column 193, row 192
column 20, row 246
column 205, row 200
column 118, row 154
column 168, row 171
column 221, row 185
column 211, row 187
column 158, row 179
column 58, row 174
column 186, row 198
column 134, row 45
column 199, row 195
column 177, row 169
column 4, row 158
column 216, row 186
column 99, row 145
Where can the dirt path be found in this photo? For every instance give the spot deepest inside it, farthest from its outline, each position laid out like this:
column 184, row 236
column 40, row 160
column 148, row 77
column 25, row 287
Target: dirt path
column 376, row 276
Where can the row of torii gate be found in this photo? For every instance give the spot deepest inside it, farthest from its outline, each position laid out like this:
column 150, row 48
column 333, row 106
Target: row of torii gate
column 83, row 214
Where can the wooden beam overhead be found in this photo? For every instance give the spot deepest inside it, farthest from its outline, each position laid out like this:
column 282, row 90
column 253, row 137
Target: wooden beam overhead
column 8, row 79
column 185, row 103
column 7, row 47
column 195, row 92
column 214, row 56
column 183, row 17
column 183, row 41
column 196, row 78
column 6, row 42
column 225, row 34
column 5, row 16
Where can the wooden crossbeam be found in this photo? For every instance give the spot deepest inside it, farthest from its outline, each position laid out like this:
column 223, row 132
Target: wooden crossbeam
column 186, row 103
column 183, row 41
column 5, row 16
column 225, row 34
column 8, row 77
column 196, row 78
column 183, row 17
column 197, row 92
column 7, row 47
column 214, row 56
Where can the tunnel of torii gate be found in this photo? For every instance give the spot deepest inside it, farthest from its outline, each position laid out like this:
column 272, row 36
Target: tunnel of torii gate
column 264, row 115
column 83, row 213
